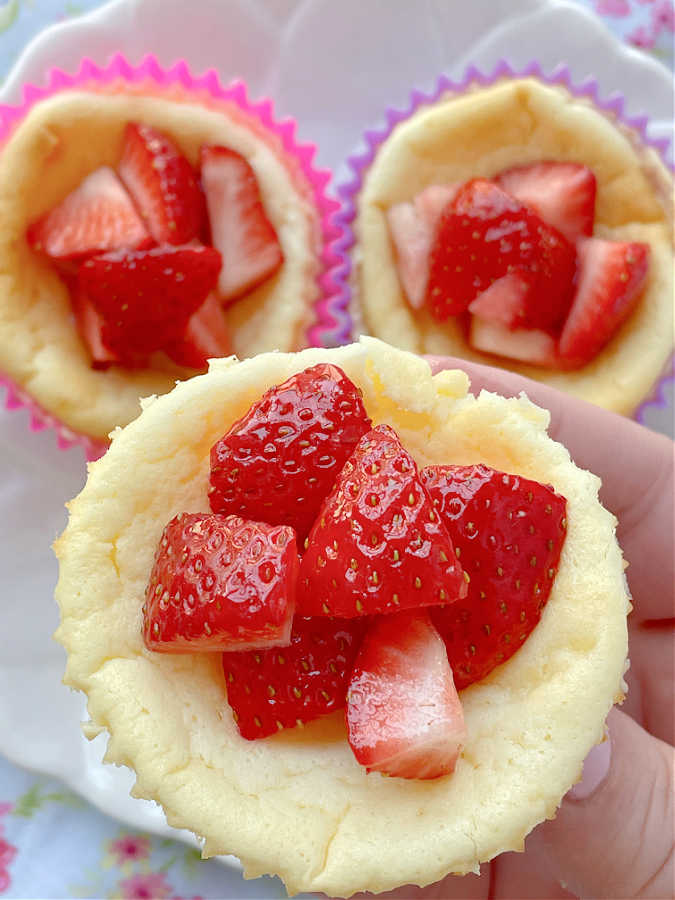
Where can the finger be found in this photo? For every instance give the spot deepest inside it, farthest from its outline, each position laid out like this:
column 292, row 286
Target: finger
column 454, row 887
column 651, row 678
column 522, row 876
column 636, row 466
column 613, row 835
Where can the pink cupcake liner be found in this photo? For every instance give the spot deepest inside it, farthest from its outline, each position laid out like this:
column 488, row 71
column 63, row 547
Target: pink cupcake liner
column 328, row 308
column 614, row 107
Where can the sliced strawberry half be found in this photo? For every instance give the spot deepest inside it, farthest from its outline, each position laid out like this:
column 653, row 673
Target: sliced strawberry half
column 279, row 462
column 611, row 280
column 206, row 337
column 562, row 193
column 90, row 328
column 506, row 301
column 483, row 235
column 377, row 545
column 98, row 216
column 240, row 229
column 278, row 688
column 163, row 185
column 220, row 583
column 404, row 717
column 146, row 297
column 508, row 533
column 412, row 227
column 528, row 345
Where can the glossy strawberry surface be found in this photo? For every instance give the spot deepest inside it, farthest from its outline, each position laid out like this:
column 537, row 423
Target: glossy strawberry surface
column 281, row 687
column 279, row 462
column 162, row 184
column 404, row 717
column 220, row 583
column 146, row 297
column 378, row 545
column 508, row 533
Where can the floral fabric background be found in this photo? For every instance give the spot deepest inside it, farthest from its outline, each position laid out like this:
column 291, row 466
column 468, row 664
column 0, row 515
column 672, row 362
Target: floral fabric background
column 52, row 843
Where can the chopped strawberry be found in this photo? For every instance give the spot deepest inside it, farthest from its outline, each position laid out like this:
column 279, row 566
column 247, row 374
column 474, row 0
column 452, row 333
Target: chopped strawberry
column 146, row 297
column 528, row 345
column 278, row 688
column 404, row 717
column 90, row 328
column 240, row 228
column 612, row 277
column 506, row 300
column 220, row 583
column 562, row 193
column 485, row 234
column 508, row 532
column 377, row 545
column 163, row 185
column 205, row 337
column 280, row 461
column 98, row 216
column 412, row 227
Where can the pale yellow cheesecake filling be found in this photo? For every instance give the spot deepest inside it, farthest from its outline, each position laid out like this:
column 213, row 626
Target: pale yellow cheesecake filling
column 298, row 804
column 61, row 141
column 479, row 134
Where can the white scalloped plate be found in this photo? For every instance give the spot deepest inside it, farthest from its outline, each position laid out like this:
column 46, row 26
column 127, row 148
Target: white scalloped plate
column 314, row 57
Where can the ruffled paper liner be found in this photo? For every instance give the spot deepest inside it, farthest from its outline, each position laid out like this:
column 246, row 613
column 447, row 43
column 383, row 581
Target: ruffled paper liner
column 206, row 89
column 614, row 108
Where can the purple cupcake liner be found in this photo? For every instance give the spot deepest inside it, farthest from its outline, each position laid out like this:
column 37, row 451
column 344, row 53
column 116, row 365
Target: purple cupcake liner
column 321, row 332
column 613, row 107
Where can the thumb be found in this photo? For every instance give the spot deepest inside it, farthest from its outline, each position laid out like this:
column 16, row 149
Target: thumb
column 613, row 835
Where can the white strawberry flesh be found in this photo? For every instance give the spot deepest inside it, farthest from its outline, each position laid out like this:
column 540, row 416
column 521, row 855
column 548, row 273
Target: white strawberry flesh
column 528, row 345
column 240, row 229
column 404, row 716
column 98, row 216
column 506, row 300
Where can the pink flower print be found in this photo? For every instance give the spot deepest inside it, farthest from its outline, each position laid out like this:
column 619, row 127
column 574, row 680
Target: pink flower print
column 5, row 808
column 145, row 887
column 663, row 16
column 7, row 854
column 618, row 9
column 129, row 848
column 641, row 38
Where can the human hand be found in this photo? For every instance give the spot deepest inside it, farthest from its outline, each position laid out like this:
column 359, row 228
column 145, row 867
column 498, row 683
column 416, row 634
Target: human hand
column 613, row 834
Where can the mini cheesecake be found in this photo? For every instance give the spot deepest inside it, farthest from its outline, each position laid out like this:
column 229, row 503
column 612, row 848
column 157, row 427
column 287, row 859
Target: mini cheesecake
column 489, row 133
column 297, row 803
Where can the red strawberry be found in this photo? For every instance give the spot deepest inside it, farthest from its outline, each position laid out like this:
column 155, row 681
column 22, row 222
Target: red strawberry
column 96, row 217
column 163, row 185
column 485, row 234
column 205, row 337
column 403, row 714
column 90, row 328
column 220, row 583
column 146, row 297
column 528, row 345
column 509, row 532
column 562, row 193
column 612, row 276
column 240, row 228
column 377, row 545
column 279, row 461
column 282, row 687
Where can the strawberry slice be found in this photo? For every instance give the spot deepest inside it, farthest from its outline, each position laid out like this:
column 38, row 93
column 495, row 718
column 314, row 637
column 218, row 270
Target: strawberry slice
column 205, row 337
column 240, row 228
column 412, row 227
column 278, row 688
column 220, row 583
column 89, row 325
column 278, row 462
column 377, row 545
column 562, row 193
column 404, row 717
column 528, row 345
column 485, row 234
column 146, row 297
column 163, row 185
column 509, row 532
column 506, row 300
column 612, row 277
column 96, row 217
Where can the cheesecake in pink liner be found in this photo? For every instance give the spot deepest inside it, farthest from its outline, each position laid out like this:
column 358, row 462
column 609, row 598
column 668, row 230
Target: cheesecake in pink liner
column 518, row 221
column 60, row 350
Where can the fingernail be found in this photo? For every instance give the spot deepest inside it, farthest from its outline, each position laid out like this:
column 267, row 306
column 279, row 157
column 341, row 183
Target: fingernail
column 596, row 767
